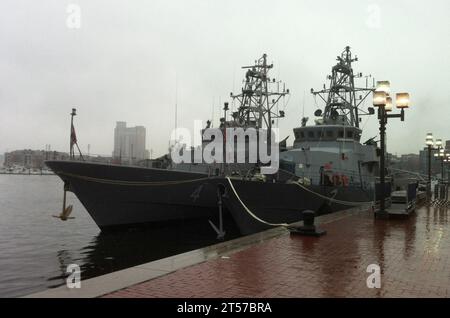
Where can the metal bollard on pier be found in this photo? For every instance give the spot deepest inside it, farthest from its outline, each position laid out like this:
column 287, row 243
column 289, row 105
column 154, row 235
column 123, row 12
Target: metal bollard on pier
column 308, row 228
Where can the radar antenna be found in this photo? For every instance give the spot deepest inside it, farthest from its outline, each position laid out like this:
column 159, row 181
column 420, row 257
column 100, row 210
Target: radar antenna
column 258, row 98
column 341, row 102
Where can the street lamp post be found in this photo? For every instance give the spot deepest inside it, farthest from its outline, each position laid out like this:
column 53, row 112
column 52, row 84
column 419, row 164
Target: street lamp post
column 430, row 145
column 446, row 161
column 383, row 102
column 440, row 155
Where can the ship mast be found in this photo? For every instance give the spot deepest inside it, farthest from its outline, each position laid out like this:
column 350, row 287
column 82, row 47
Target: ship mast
column 258, row 99
column 341, row 102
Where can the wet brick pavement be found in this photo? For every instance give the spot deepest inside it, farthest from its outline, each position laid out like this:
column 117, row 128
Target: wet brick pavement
column 413, row 254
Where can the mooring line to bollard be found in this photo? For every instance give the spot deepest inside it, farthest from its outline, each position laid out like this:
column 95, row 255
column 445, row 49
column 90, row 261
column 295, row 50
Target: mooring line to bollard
column 250, row 212
column 331, row 199
column 285, row 224
column 349, row 203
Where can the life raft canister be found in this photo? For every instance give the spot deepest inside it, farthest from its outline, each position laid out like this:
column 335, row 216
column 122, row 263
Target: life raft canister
column 345, row 180
column 340, row 180
column 336, row 180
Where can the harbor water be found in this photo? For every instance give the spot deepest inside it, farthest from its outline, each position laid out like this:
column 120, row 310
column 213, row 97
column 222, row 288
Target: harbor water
column 36, row 248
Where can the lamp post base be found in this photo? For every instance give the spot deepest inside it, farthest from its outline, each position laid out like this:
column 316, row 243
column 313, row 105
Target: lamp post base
column 306, row 231
column 381, row 214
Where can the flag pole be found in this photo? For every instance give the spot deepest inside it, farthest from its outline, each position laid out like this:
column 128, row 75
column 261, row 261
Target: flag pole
column 73, row 137
column 72, row 131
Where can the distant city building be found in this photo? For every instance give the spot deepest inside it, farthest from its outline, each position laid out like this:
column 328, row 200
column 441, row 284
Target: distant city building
column 410, row 162
column 423, row 161
column 129, row 143
column 392, row 159
column 415, row 162
column 33, row 159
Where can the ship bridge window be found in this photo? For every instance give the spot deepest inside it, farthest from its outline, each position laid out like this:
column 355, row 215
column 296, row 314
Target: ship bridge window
column 310, row 134
column 349, row 134
column 341, row 134
column 299, row 135
column 329, row 134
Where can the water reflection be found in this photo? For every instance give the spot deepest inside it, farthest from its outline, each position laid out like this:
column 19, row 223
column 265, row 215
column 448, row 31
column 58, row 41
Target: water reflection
column 410, row 229
column 443, row 215
column 111, row 251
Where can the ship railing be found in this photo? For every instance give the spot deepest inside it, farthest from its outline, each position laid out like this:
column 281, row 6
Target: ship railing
column 354, row 178
column 313, row 171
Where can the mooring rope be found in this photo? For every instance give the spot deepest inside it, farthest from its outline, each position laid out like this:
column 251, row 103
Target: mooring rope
column 130, row 183
column 248, row 210
column 303, row 187
column 350, row 203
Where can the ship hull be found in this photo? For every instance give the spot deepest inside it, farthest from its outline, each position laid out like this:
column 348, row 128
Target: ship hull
column 253, row 204
column 123, row 196
column 118, row 196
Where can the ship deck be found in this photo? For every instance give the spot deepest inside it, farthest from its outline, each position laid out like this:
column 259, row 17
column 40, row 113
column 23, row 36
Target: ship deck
column 412, row 253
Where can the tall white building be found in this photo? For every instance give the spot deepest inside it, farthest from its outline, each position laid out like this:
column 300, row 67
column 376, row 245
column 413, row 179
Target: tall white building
column 129, row 143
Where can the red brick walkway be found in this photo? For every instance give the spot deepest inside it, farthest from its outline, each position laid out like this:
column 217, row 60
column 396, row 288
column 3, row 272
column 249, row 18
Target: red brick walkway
column 414, row 256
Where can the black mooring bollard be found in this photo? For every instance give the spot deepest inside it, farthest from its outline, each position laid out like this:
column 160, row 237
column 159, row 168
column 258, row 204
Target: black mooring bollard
column 308, row 228
column 308, row 220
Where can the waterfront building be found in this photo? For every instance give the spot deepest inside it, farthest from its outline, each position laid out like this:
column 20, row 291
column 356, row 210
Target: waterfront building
column 32, row 159
column 129, row 143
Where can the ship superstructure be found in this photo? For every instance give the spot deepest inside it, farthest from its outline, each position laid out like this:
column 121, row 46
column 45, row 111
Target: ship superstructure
column 257, row 108
column 330, row 151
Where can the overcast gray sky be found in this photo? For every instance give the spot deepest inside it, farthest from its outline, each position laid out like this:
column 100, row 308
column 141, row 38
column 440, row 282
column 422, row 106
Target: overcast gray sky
column 125, row 59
